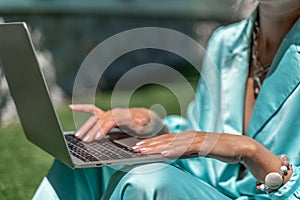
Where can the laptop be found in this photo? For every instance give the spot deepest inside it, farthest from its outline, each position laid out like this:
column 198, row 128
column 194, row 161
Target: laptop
column 38, row 117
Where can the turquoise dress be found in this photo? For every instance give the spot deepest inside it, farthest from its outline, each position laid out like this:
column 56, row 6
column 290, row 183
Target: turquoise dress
column 275, row 123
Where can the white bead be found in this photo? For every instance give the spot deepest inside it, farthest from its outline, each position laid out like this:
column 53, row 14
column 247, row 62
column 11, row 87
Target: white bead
column 284, row 169
column 273, row 180
column 262, row 187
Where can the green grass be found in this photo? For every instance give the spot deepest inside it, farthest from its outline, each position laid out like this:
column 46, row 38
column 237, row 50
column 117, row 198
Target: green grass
column 23, row 165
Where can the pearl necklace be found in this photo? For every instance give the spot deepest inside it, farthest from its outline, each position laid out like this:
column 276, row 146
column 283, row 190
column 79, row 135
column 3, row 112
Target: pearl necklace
column 259, row 71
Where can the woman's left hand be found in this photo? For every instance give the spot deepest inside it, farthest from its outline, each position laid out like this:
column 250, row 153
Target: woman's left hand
column 226, row 147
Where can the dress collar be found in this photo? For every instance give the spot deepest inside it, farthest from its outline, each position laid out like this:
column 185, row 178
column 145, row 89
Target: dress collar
column 281, row 80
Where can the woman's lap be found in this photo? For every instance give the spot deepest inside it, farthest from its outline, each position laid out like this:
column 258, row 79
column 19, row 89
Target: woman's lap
column 149, row 181
column 163, row 181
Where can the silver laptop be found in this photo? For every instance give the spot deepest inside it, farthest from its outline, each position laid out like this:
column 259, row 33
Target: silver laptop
column 37, row 114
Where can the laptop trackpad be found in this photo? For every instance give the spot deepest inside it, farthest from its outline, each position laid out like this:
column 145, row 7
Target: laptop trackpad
column 127, row 142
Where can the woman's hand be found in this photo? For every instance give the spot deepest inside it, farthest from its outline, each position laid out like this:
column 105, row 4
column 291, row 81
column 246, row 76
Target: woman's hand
column 139, row 121
column 225, row 147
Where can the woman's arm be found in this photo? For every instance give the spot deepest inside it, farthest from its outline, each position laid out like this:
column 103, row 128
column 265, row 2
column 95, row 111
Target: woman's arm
column 225, row 147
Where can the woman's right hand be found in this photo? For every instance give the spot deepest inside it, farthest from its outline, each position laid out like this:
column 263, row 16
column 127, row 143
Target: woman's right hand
column 140, row 121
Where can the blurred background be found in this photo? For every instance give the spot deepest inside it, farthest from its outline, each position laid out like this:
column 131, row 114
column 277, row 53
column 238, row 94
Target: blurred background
column 64, row 32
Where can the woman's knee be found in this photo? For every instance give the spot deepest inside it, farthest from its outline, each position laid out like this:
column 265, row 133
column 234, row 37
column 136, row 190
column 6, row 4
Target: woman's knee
column 88, row 183
column 154, row 175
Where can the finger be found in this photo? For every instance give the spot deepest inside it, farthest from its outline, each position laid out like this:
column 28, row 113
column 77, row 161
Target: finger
column 166, row 150
column 86, row 127
column 88, row 108
column 169, row 145
column 182, row 146
column 91, row 134
column 105, row 127
column 152, row 146
column 156, row 140
column 151, row 150
column 175, row 151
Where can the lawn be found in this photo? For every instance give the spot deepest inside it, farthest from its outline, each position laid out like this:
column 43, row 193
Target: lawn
column 23, row 165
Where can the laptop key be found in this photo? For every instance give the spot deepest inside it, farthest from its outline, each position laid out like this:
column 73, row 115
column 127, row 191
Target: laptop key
column 95, row 151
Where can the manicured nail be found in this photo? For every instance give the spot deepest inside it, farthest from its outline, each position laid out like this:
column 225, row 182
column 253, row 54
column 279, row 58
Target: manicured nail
column 139, row 143
column 98, row 134
column 164, row 152
column 86, row 138
column 135, row 147
column 77, row 134
column 144, row 149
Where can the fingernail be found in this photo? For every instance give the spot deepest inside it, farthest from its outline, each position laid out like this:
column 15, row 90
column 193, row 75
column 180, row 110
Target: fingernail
column 144, row 149
column 98, row 134
column 77, row 134
column 140, row 143
column 86, row 138
column 164, row 152
column 135, row 147
column 71, row 106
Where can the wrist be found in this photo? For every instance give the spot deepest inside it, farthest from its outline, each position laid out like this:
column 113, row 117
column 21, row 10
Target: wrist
column 274, row 180
column 261, row 162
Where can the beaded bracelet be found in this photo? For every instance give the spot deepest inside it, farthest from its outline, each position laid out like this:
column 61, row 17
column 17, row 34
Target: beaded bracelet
column 274, row 180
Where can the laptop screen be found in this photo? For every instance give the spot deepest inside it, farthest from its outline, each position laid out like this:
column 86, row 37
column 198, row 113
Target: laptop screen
column 29, row 91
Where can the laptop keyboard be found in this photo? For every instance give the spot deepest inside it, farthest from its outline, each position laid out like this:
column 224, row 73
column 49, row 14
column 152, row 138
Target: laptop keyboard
column 98, row 150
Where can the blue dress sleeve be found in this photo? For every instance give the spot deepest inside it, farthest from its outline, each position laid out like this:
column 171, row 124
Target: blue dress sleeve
column 176, row 123
column 202, row 103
